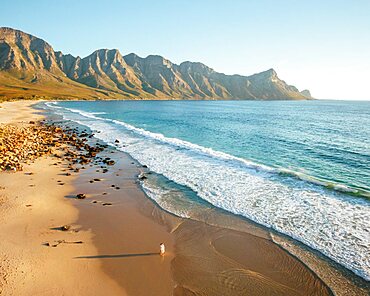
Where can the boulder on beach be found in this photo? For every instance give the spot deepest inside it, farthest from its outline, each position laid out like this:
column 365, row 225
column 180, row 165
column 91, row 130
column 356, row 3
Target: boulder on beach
column 81, row 196
column 65, row 227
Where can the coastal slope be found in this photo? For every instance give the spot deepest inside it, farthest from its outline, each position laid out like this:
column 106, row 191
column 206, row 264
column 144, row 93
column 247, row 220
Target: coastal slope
column 30, row 68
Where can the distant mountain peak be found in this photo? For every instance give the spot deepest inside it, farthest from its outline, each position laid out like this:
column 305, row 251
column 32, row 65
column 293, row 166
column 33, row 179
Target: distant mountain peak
column 106, row 51
column 306, row 93
column 24, row 52
column 270, row 73
column 159, row 60
column 7, row 30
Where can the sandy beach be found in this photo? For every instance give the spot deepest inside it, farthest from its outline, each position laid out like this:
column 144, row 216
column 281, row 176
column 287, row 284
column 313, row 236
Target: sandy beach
column 112, row 243
column 32, row 208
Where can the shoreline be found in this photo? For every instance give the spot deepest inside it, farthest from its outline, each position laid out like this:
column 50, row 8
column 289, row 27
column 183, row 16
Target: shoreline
column 122, row 240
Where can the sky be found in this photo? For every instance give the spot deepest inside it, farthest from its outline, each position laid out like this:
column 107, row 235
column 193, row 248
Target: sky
column 323, row 46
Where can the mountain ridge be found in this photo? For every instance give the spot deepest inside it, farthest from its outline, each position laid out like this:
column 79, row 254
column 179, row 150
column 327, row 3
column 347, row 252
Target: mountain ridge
column 30, row 67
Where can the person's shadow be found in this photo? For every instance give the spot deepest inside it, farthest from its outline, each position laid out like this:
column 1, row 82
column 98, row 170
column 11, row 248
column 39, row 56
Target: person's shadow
column 116, row 256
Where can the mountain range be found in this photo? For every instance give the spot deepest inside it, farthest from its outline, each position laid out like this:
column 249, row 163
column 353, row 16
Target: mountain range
column 31, row 68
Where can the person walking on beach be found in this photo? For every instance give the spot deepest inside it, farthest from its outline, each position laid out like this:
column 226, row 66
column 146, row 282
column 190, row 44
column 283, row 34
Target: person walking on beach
column 162, row 249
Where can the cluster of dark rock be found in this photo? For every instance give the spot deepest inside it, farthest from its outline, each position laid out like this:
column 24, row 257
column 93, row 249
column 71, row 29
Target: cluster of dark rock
column 79, row 151
column 23, row 144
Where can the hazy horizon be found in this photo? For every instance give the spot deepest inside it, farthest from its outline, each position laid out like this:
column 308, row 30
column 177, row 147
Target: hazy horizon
column 323, row 47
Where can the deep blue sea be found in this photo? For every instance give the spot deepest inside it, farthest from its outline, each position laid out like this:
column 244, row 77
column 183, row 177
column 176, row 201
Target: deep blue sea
column 299, row 167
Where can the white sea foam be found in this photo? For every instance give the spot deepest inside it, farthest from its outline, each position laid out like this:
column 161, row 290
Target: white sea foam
column 98, row 113
column 53, row 105
column 333, row 223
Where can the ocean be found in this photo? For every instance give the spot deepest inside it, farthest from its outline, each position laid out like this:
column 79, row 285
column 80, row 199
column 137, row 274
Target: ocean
column 301, row 168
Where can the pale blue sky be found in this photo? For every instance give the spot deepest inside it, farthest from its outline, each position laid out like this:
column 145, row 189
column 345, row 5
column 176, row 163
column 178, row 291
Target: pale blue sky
column 320, row 45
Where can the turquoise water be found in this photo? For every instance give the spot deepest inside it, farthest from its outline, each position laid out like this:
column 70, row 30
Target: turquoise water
column 302, row 168
column 326, row 140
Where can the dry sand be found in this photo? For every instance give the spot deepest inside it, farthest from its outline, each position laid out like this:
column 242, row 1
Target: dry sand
column 121, row 239
column 30, row 207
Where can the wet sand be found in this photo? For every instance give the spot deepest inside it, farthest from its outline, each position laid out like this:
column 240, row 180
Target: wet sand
column 121, row 230
column 127, row 239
